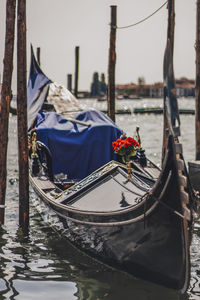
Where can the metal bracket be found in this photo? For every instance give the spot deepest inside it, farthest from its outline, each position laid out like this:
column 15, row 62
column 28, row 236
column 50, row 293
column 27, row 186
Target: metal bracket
column 178, row 148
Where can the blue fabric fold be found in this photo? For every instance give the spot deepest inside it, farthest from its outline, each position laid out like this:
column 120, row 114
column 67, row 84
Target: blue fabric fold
column 77, row 150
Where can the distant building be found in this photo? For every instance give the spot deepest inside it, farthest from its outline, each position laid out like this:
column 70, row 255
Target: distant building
column 126, row 89
column 98, row 87
column 145, row 90
column 184, row 88
column 156, row 90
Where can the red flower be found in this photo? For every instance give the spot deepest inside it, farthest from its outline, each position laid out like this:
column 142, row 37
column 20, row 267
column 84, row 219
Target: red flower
column 126, row 147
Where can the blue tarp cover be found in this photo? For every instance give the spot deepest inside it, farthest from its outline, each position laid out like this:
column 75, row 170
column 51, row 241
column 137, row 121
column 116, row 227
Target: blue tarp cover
column 77, row 150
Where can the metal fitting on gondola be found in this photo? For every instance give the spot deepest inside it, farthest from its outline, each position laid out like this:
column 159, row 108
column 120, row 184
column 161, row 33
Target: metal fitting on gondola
column 34, row 145
column 35, row 164
column 142, row 157
column 140, row 152
column 129, row 171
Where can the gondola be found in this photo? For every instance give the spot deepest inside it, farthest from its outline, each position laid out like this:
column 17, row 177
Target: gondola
column 131, row 216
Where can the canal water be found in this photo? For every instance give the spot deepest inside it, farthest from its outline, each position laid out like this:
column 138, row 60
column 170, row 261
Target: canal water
column 43, row 265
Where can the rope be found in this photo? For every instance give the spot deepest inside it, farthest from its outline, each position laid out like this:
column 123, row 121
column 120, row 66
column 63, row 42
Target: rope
column 141, row 21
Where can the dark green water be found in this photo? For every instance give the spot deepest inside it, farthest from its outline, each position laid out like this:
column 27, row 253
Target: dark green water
column 44, row 265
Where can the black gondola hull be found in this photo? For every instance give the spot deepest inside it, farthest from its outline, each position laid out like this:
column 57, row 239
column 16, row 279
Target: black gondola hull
column 124, row 216
column 152, row 249
column 150, row 241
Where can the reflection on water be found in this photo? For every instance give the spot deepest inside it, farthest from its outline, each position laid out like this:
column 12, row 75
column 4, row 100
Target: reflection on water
column 44, row 265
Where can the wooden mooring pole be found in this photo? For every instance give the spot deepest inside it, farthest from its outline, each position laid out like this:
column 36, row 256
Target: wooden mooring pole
column 69, row 82
column 170, row 36
column 38, row 55
column 22, row 117
column 111, row 64
column 5, row 100
column 197, row 91
column 76, row 71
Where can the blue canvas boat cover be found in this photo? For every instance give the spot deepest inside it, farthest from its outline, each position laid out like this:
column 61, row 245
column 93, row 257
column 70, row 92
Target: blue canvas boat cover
column 77, row 150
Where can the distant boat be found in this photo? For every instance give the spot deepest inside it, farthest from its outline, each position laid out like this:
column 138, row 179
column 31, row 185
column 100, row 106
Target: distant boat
column 120, row 97
column 13, row 108
column 148, row 110
column 122, row 111
column 159, row 110
column 135, row 97
column 102, row 98
column 133, row 217
column 128, row 97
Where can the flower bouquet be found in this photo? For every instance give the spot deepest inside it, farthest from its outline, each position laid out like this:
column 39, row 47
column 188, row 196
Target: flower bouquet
column 126, row 148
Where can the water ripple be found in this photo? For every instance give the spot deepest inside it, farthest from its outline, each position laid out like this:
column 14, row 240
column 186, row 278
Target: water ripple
column 43, row 265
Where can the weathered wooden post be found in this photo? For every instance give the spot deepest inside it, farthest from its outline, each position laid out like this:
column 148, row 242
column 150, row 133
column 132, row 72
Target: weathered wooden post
column 111, row 64
column 5, row 100
column 76, row 71
column 22, row 117
column 197, row 90
column 69, row 82
column 170, row 36
column 171, row 24
column 194, row 166
column 38, row 55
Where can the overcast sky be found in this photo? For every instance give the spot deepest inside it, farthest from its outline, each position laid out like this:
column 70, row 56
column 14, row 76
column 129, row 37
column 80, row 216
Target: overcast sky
column 58, row 26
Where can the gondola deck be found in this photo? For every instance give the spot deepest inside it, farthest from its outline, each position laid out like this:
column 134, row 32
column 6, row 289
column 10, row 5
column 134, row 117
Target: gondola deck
column 110, row 178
